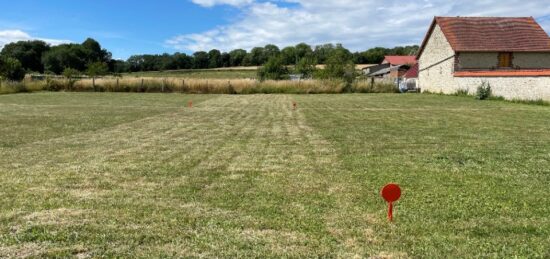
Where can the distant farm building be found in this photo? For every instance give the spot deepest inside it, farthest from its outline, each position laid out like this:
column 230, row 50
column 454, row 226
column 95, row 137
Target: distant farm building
column 410, row 80
column 511, row 54
column 375, row 68
column 392, row 67
column 399, row 60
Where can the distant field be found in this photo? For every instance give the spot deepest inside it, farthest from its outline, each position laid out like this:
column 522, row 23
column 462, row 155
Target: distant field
column 200, row 73
column 218, row 73
column 142, row 175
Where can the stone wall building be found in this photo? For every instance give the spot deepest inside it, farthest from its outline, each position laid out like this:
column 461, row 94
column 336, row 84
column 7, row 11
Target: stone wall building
column 511, row 54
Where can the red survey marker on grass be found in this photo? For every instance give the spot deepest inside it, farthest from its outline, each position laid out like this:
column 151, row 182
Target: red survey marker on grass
column 190, row 104
column 391, row 193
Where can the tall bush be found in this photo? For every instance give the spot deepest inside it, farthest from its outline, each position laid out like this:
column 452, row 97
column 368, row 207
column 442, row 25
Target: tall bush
column 274, row 69
column 483, row 91
column 70, row 74
column 340, row 65
column 306, row 67
column 11, row 69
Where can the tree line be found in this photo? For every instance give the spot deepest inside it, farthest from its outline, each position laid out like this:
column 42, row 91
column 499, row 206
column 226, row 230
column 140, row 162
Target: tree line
column 19, row 58
column 89, row 57
column 257, row 56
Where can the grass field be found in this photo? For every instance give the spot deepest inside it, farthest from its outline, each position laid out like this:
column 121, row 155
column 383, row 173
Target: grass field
column 128, row 174
column 199, row 73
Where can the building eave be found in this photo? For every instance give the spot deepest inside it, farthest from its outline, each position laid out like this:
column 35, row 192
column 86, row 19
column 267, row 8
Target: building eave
column 504, row 73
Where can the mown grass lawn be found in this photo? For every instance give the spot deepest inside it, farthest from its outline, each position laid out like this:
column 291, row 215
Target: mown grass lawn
column 108, row 174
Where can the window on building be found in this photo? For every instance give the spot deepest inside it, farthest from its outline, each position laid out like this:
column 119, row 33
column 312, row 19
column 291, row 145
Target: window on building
column 505, row 60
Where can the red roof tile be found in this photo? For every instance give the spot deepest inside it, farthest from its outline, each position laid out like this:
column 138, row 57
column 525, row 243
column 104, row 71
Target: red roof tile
column 503, row 73
column 495, row 34
column 412, row 72
column 400, row 60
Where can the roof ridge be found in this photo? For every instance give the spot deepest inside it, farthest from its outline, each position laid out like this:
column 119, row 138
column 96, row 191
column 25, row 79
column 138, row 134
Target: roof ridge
column 497, row 34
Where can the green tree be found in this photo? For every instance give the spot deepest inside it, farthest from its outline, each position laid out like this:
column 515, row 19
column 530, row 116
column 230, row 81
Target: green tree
column 183, row 61
column 70, row 74
column 257, row 56
column 303, row 50
column 28, row 53
column 273, row 69
column 201, row 59
column 94, row 52
column 120, row 66
column 271, row 50
column 247, row 61
column 237, row 57
column 65, row 55
column 288, row 55
column 97, row 69
column 214, row 58
column 11, row 69
column 225, row 60
column 340, row 65
column 75, row 56
column 306, row 66
column 322, row 52
column 376, row 55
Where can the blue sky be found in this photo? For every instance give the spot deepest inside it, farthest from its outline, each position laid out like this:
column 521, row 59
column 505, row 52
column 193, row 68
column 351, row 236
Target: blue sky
column 124, row 27
column 127, row 27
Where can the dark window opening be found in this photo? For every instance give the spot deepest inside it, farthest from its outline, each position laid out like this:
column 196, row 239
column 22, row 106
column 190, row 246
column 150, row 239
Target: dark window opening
column 505, row 60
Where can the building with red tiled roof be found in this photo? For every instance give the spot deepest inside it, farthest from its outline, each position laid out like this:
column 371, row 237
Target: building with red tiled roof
column 399, row 60
column 412, row 72
column 512, row 54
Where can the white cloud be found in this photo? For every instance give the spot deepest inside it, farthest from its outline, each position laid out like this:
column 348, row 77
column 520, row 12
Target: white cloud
column 8, row 36
column 357, row 24
column 210, row 3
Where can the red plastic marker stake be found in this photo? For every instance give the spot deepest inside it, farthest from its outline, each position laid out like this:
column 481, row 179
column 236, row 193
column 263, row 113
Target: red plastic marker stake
column 190, row 104
column 391, row 192
column 294, row 105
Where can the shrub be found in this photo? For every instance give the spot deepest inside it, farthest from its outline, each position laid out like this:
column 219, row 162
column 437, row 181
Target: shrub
column 97, row 69
column 273, row 69
column 483, row 91
column 70, row 74
column 11, row 69
column 12, row 87
column 306, row 67
column 339, row 65
column 53, row 85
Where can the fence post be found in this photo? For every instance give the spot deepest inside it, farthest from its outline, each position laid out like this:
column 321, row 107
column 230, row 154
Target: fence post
column 117, row 84
column 93, row 84
column 141, row 85
column 162, row 87
column 183, row 85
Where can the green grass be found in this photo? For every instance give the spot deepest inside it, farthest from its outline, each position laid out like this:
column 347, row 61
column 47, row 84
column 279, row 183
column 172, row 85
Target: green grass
column 126, row 175
column 198, row 74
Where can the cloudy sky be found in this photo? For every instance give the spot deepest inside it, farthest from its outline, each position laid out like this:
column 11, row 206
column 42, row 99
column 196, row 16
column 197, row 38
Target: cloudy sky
column 127, row 27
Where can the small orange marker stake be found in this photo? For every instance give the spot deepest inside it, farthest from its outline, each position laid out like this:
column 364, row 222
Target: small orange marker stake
column 294, row 105
column 391, row 193
column 190, row 104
